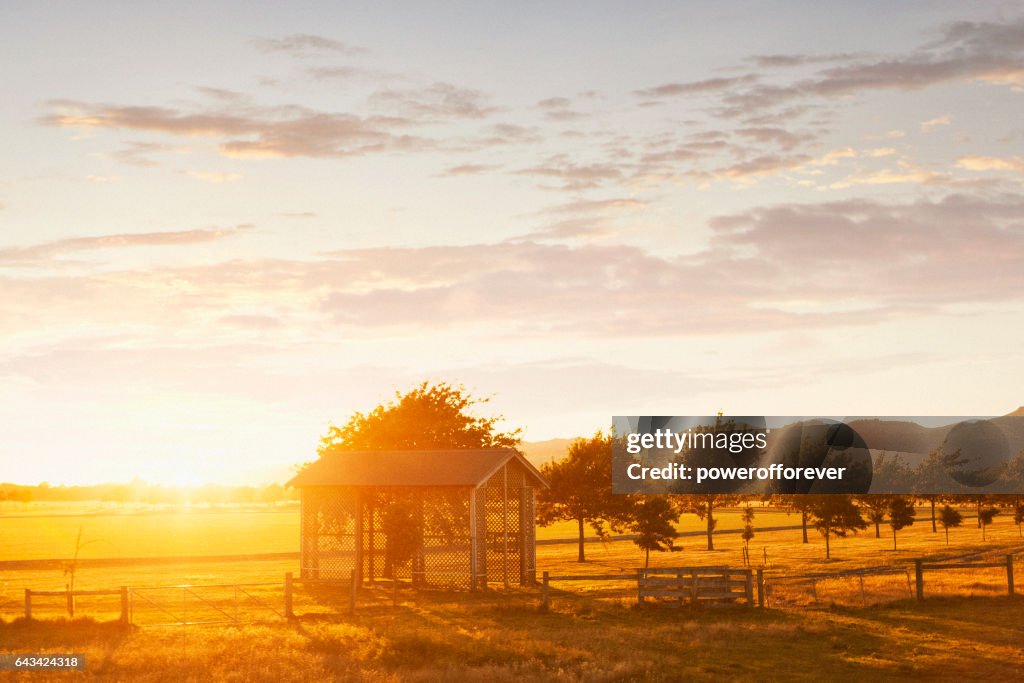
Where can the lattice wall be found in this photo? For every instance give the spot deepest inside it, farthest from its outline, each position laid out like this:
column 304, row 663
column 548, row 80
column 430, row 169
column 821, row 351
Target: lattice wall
column 328, row 533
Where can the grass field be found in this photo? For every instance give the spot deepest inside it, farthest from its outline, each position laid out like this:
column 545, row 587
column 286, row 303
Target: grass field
column 163, row 534
column 831, row 627
column 49, row 530
column 503, row 637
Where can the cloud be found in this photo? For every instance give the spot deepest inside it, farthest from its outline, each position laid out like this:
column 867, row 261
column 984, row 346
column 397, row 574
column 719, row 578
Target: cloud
column 572, row 176
column 137, row 153
column 782, row 267
column 39, row 253
column 708, row 85
column 790, row 60
column 284, row 131
column 778, row 136
column 966, row 52
column 937, row 122
column 985, row 163
column 469, row 169
column 214, row 176
column 440, row 101
column 305, row 44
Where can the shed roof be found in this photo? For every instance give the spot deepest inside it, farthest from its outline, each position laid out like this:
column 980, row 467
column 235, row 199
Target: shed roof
column 455, row 467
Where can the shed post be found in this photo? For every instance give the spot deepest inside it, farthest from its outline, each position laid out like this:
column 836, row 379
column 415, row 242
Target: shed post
column 358, row 558
column 504, row 523
column 474, row 552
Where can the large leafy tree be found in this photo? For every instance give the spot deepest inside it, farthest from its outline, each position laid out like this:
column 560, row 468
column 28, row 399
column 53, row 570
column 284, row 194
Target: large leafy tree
column 581, row 490
column 430, row 416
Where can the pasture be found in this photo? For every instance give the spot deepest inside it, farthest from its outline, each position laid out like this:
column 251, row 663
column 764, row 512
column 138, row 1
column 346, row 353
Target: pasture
column 499, row 637
column 832, row 628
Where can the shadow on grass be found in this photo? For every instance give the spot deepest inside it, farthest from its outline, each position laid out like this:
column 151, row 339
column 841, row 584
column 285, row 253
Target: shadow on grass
column 33, row 635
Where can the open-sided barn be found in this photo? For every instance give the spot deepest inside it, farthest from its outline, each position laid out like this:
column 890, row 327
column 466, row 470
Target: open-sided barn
column 460, row 517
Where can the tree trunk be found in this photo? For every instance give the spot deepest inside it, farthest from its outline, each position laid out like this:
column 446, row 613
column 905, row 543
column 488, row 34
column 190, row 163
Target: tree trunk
column 803, row 523
column 933, row 516
column 647, row 557
column 947, row 535
column 581, row 557
column 711, row 527
column 894, row 538
column 828, row 551
column 878, row 532
column 980, row 525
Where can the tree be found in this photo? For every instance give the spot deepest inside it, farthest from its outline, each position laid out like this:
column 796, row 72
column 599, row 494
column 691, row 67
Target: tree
column 430, row 416
column 950, row 517
column 653, row 520
column 985, row 516
column 875, row 507
column 901, row 515
column 581, row 490
column 797, row 503
column 703, row 506
column 1018, row 517
column 748, row 531
column 834, row 515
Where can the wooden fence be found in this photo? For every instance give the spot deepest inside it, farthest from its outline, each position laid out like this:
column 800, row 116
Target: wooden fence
column 680, row 585
column 696, row 586
column 920, row 566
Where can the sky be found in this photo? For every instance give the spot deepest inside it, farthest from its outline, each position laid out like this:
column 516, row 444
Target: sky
column 224, row 228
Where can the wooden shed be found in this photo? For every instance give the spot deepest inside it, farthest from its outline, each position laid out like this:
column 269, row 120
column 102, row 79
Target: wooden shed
column 460, row 517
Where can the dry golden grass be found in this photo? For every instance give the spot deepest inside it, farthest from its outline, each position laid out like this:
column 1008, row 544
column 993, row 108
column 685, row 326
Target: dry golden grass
column 503, row 637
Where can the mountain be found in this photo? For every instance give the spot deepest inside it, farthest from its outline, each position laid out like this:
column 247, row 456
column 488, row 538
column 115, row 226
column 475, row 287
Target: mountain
column 540, row 452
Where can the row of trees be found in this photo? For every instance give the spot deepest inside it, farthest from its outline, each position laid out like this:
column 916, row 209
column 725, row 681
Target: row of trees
column 581, row 492
column 441, row 416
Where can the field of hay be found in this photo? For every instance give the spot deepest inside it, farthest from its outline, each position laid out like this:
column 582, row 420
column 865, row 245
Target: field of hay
column 258, row 545
column 855, row 626
column 501, row 636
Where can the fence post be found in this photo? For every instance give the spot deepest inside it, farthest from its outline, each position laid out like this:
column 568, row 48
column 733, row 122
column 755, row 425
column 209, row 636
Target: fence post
column 639, row 586
column 760, row 586
column 352, row 595
column 124, row 605
column 749, row 589
column 919, row 579
column 545, row 598
column 1009, row 574
column 28, row 603
column 288, row 612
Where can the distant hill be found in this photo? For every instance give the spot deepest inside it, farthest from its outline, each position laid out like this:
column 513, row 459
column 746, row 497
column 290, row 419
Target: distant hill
column 540, row 452
column 908, row 437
